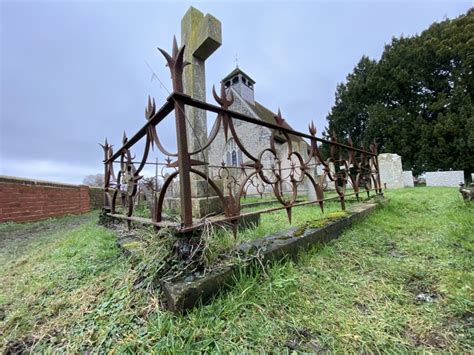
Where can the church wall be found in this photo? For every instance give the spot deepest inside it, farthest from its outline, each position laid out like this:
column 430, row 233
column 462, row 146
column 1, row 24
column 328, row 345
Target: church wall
column 255, row 139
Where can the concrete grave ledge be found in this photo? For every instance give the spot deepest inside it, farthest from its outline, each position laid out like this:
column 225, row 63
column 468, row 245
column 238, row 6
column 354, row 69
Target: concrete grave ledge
column 188, row 291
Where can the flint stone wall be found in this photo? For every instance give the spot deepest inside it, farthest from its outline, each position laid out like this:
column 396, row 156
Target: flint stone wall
column 391, row 172
column 255, row 139
column 96, row 197
column 444, row 178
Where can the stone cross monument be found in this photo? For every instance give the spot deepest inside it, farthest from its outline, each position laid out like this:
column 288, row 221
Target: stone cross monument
column 202, row 35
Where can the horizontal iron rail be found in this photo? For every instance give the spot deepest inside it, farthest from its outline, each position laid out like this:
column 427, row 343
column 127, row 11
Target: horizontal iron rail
column 144, row 220
column 188, row 100
column 226, row 166
column 223, row 219
column 157, row 118
column 273, row 209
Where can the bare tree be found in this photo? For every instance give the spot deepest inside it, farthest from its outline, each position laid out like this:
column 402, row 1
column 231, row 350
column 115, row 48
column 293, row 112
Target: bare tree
column 152, row 183
column 94, row 180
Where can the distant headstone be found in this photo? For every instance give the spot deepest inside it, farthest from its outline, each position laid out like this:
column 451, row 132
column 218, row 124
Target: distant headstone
column 472, row 177
column 408, row 179
column 444, row 178
column 391, row 172
column 311, row 192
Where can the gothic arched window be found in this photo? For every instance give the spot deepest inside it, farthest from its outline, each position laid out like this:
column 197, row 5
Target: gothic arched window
column 233, row 154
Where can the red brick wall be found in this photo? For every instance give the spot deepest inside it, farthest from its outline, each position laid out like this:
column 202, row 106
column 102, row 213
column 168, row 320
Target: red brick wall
column 23, row 200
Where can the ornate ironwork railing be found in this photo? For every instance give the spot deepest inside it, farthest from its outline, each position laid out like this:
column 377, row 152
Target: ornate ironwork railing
column 344, row 166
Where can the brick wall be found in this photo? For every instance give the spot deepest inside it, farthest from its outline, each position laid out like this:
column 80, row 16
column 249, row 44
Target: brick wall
column 24, row 200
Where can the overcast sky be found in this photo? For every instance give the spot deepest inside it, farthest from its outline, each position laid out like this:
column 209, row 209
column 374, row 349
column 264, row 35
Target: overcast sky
column 74, row 72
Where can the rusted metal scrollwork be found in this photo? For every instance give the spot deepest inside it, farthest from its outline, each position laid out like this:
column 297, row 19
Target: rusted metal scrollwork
column 269, row 170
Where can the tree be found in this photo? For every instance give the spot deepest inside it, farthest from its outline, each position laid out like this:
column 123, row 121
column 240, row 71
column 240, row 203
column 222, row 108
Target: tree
column 417, row 100
column 94, row 180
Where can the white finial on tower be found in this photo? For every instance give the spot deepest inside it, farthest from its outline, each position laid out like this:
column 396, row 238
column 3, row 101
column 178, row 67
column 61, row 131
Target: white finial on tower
column 236, row 60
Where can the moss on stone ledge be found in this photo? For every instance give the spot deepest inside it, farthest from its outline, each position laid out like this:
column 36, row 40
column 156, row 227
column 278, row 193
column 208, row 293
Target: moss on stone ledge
column 318, row 223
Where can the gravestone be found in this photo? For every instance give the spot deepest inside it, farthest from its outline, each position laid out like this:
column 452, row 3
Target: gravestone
column 314, row 172
column 408, row 179
column 324, row 181
column 444, row 178
column 391, row 173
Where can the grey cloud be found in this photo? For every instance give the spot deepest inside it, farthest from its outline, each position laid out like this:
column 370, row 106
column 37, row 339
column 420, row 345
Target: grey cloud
column 75, row 72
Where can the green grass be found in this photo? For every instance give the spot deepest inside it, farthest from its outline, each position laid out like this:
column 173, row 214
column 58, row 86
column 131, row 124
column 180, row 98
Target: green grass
column 73, row 291
column 221, row 240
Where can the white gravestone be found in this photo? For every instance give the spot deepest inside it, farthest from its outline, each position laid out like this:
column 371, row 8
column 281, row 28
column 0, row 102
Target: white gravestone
column 444, row 178
column 391, row 172
column 408, row 179
column 314, row 173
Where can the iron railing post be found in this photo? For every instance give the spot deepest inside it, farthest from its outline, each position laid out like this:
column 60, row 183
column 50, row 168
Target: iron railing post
column 176, row 64
column 380, row 192
column 184, row 165
column 107, row 150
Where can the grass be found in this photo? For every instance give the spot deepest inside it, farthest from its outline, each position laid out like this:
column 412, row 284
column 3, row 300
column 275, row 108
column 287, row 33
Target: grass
column 222, row 240
column 72, row 291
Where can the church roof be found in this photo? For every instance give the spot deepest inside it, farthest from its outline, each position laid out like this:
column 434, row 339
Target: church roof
column 236, row 71
column 268, row 116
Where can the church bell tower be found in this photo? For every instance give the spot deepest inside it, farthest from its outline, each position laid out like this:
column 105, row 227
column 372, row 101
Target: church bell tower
column 242, row 83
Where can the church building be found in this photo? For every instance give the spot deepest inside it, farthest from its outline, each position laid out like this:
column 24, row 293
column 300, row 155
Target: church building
column 253, row 137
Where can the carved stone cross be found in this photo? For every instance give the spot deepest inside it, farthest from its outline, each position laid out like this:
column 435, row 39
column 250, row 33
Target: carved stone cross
column 202, row 35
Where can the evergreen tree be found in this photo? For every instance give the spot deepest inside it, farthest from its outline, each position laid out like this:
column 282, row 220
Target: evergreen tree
column 416, row 101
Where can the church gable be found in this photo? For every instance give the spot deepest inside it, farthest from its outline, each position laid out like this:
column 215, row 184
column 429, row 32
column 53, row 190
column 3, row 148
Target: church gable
column 260, row 112
column 242, row 106
column 254, row 137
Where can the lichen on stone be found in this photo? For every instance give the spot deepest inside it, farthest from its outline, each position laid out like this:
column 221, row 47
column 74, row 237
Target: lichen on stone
column 318, row 223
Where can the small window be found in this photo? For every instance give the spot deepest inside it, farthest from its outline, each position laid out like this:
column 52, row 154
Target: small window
column 227, row 84
column 249, row 84
column 234, row 158
column 233, row 155
column 235, row 80
column 244, row 80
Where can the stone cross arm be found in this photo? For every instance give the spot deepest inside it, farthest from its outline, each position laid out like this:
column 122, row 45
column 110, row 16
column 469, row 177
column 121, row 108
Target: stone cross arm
column 201, row 34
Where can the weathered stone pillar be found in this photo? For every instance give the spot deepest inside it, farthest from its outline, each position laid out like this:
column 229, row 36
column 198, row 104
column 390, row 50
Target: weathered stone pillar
column 202, row 35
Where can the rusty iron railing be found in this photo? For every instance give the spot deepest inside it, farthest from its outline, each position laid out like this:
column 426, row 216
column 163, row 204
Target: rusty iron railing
column 345, row 164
